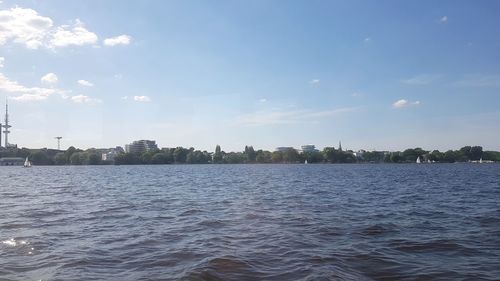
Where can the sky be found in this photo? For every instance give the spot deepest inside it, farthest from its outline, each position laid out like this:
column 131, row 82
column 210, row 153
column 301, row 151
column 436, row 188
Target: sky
column 384, row 75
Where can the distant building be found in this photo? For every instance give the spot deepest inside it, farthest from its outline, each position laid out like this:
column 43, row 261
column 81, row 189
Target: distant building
column 11, row 161
column 359, row 154
column 111, row 153
column 141, row 146
column 309, row 148
column 284, row 148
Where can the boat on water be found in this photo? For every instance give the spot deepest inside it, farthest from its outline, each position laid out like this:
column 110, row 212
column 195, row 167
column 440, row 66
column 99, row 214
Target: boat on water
column 305, row 162
column 418, row 160
column 27, row 163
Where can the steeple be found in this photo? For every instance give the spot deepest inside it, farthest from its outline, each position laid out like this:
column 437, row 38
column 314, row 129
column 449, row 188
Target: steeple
column 340, row 146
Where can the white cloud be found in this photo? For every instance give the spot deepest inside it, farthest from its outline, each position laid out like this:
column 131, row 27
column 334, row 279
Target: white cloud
column 27, row 93
column 84, row 99
column 49, row 78
column 368, row 39
column 404, row 103
column 2, row 60
column 443, row 19
column 477, row 80
column 142, row 98
column 263, row 100
column 124, row 98
column 118, row 40
column 423, row 79
column 76, row 35
column 314, row 81
column 25, row 26
column 85, row 83
column 280, row 117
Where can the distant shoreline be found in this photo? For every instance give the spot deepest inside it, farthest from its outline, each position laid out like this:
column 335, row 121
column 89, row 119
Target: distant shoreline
column 286, row 155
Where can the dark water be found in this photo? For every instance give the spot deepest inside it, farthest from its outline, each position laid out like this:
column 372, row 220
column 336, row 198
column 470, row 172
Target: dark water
column 251, row 222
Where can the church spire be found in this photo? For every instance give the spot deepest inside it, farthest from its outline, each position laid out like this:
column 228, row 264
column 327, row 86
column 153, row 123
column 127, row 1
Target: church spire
column 340, row 146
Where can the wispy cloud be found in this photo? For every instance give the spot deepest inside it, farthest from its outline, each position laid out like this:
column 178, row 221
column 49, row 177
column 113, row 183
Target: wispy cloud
column 314, row 81
column 422, row 79
column 118, row 40
column 367, row 39
column 142, row 98
column 477, row 80
column 443, row 19
column 402, row 103
column 280, row 117
column 263, row 100
column 49, row 78
column 2, row 60
column 85, row 83
column 27, row 93
column 84, row 99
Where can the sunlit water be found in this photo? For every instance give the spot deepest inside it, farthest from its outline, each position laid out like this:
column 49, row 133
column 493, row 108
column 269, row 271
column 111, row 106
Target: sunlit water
column 251, row 222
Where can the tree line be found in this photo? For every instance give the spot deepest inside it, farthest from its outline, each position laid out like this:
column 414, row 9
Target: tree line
column 181, row 155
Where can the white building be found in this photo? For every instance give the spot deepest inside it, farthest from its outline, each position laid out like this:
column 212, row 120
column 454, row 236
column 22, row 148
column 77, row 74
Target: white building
column 309, row 148
column 141, row 146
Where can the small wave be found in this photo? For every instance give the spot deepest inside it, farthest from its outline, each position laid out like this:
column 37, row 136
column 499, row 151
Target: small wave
column 378, row 229
column 190, row 212
column 13, row 242
column 224, row 268
column 212, row 223
column 431, row 246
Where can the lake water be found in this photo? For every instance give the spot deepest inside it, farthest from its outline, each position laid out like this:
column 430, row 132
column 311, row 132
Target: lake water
column 251, row 222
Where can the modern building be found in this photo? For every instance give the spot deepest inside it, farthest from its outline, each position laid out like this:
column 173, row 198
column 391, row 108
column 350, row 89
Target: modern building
column 141, row 146
column 309, row 148
column 283, row 148
column 11, row 161
column 111, row 153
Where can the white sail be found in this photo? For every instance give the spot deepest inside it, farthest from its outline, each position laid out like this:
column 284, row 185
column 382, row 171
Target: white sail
column 27, row 162
column 418, row 160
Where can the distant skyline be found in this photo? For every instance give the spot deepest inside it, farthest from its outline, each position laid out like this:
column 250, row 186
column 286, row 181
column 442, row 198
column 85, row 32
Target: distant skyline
column 382, row 75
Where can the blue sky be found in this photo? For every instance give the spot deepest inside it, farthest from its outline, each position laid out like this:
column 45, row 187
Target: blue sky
column 381, row 75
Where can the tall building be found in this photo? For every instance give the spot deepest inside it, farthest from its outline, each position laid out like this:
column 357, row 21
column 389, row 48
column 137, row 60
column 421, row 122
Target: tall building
column 141, row 146
column 309, row 148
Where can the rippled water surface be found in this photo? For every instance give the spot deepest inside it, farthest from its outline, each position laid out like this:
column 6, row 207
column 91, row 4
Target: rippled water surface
column 251, row 222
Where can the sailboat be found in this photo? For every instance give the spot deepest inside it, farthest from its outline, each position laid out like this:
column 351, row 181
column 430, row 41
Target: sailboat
column 418, row 160
column 305, row 162
column 481, row 160
column 27, row 163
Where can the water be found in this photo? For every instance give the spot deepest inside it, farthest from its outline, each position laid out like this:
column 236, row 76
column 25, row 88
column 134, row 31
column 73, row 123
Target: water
column 251, row 222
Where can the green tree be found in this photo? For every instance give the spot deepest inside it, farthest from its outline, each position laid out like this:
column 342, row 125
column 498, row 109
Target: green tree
column 60, row 159
column 78, row 158
column 250, row 154
column 263, row 156
column 277, row 157
column 40, row 158
column 94, row 159
column 218, row 155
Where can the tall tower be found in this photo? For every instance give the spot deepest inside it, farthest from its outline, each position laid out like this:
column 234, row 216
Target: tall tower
column 340, row 146
column 58, row 142
column 6, row 126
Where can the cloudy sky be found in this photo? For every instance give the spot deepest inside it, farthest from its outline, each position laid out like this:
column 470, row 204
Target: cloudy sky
column 374, row 74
